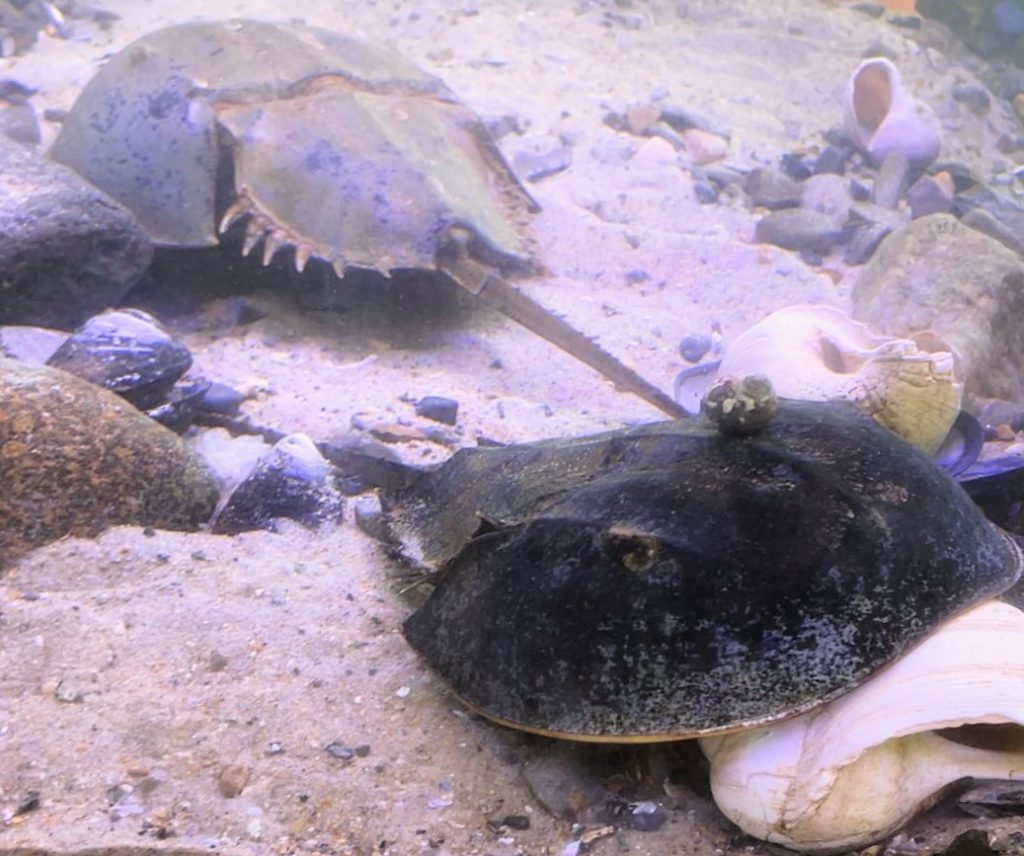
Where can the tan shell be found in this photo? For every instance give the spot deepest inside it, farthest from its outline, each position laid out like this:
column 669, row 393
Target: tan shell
column 855, row 770
column 913, row 386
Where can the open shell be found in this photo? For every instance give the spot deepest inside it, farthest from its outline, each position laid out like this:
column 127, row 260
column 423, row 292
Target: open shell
column 855, row 770
column 880, row 116
column 912, row 386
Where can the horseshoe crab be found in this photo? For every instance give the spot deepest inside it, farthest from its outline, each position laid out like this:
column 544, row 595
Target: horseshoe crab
column 321, row 144
column 676, row 580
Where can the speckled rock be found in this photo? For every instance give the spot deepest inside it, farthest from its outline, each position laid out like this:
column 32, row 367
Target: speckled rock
column 941, row 275
column 76, row 459
column 69, row 251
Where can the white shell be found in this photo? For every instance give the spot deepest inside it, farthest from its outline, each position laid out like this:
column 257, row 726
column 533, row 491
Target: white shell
column 855, row 770
column 912, row 386
column 880, row 116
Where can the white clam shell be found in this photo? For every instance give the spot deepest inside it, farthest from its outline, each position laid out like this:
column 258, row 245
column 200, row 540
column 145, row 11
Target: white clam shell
column 855, row 770
column 880, row 116
column 912, row 386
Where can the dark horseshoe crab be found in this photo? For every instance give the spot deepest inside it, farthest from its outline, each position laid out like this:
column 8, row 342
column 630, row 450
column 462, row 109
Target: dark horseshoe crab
column 675, row 580
column 322, row 144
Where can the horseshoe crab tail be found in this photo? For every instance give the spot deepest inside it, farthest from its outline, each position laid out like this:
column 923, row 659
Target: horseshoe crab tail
column 513, row 303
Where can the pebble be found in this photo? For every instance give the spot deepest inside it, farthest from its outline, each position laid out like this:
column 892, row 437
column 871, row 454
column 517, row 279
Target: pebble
column 798, row 229
column 795, row 166
column 541, row 157
column 931, row 194
column 438, row 408
column 232, row 780
column 827, row 194
column 974, row 98
column 832, row 159
column 863, row 240
column 771, row 188
column 340, row 751
column 891, row 180
column 704, row 148
column 694, row 347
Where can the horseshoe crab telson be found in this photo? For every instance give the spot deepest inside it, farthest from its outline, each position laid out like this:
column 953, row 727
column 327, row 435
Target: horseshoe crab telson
column 323, row 144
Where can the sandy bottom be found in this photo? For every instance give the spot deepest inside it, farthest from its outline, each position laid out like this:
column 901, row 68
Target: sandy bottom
column 193, row 693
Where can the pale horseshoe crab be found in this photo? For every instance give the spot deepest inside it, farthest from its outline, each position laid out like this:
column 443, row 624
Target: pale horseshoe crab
column 323, row 144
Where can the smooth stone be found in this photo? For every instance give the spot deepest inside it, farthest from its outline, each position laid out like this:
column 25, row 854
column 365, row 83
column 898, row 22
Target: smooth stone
column 863, row 240
column 703, row 148
column 772, row 188
column 891, row 180
column 974, row 98
column 930, row 194
column 438, row 408
column 827, row 194
column 77, row 459
column 69, row 251
column 942, row 275
column 19, row 122
column 798, row 229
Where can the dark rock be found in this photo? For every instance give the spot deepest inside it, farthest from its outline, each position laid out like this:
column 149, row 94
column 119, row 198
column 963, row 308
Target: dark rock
column 795, row 166
column 705, row 192
column 682, row 118
column 982, row 221
column 542, row 157
column 292, row 481
column 872, row 10
column 77, row 459
column 438, row 408
column 833, row 159
column 771, row 188
column 930, row 195
column 906, row 22
column 972, row 842
column 863, row 240
column 891, row 180
column 997, row 412
column 941, row 275
column 724, row 176
column 974, row 98
column 695, row 347
column 69, row 251
column 798, row 229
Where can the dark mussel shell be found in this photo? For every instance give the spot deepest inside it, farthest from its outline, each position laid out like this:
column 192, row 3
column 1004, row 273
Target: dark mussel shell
column 184, row 402
column 128, row 352
column 291, row 481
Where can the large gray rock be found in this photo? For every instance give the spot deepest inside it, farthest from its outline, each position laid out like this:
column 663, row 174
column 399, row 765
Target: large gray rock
column 76, row 459
column 941, row 275
column 68, row 250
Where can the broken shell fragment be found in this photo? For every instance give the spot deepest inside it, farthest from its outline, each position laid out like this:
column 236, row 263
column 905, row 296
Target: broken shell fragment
column 912, row 386
column 855, row 770
column 880, row 116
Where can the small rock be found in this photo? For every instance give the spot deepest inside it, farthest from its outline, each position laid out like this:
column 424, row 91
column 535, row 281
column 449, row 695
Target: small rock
column 222, row 399
column 369, row 517
column 19, row 123
column 640, row 118
column 891, row 180
column 798, row 229
column 771, row 188
column 274, row 747
column 872, row 10
column 394, row 432
column 339, row 751
column 931, row 194
column 907, row 22
column 703, row 148
column 832, row 160
column 69, row 251
column 438, row 408
column 693, row 348
column 827, row 194
column 862, row 241
column 972, row 842
column 233, row 779
column 982, row 221
column 999, row 412
column 78, row 459
column 974, row 98
column 516, row 821
column 795, row 166
column 541, row 157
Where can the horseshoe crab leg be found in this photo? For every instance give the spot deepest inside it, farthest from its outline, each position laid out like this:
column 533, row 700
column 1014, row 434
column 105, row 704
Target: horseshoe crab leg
column 513, row 303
